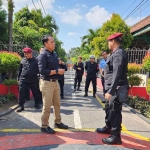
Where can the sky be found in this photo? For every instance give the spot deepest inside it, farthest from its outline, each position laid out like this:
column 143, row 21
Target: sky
column 75, row 17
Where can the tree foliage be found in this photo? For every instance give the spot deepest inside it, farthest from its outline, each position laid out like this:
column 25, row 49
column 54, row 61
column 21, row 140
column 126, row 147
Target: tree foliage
column 3, row 25
column 30, row 26
column 115, row 24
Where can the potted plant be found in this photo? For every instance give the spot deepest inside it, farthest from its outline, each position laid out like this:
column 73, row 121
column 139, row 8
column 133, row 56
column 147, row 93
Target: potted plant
column 9, row 64
column 133, row 78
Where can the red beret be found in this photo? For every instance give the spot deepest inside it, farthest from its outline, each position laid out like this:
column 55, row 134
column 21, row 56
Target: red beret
column 113, row 36
column 27, row 50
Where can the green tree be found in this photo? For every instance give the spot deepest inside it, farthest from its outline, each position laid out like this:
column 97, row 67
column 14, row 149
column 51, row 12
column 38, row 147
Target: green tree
column 115, row 24
column 87, row 39
column 30, row 26
column 3, row 25
column 10, row 22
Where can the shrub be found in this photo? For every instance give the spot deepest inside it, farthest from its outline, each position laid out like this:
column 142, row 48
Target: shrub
column 133, row 68
column 9, row 82
column 148, row 86
column 134, row 80
column 140, row 104
column 146, row 62
column 9, row 62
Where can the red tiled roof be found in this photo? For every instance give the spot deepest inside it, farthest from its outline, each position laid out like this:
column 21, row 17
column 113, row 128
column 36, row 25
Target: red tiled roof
column 143, row 23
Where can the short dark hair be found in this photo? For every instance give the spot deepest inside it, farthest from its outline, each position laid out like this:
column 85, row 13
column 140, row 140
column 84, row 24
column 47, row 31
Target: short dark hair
column 45, row 38
column 104, row 51
column 118, row 40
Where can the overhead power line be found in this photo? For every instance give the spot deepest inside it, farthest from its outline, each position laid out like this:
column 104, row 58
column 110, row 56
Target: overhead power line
column 43, row 7
column 134, row 10
column 34, row 5
column 128, row 8
column 140, row 12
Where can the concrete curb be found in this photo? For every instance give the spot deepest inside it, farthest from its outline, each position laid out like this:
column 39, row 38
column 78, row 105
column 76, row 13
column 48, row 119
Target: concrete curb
column 137, row 113
column 9, row 110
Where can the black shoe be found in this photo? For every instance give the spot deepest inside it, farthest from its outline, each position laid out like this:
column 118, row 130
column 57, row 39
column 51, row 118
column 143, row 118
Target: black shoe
column 61, row 126
column 103, row 101
column 94, row 95
column 103, row 108
column 37, row 106
column 112, row 140
column 85, row 95
column 48, row 130
column 79, row 89
column 104, row 130
column 20, row 109
column 74, row 90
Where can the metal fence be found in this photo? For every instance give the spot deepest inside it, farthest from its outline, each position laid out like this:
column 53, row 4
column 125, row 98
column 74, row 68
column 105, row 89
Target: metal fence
column 16, row 48
column 136, row 55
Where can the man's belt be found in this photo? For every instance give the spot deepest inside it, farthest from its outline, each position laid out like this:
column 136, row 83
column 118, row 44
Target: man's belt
column 51, row 80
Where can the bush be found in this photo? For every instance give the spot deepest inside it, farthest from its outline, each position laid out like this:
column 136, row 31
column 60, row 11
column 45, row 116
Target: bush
column 9, row 82
column 6, row 99
column 146, row 62
column 133, row 68
column 140, row 104
column 148, row 86
column 9, row 62
column 134, row 80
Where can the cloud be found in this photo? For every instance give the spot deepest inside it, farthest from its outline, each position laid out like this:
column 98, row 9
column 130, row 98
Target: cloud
column 61, row 7
column 81, row 5
column 72, row 33
column 97, row 15
column 71, row 16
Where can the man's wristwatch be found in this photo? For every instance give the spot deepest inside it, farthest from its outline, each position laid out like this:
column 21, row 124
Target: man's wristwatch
column 56, row 71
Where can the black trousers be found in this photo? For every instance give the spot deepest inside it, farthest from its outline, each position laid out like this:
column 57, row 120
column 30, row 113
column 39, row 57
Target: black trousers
column 94, row 83
column 78, row 79
column 103, row 84
column 24, row 87
column 113, row 118
column 61, row 83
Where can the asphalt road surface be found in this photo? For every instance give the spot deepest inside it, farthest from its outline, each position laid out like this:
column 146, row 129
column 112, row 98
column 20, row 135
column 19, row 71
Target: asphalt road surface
column 82, row 115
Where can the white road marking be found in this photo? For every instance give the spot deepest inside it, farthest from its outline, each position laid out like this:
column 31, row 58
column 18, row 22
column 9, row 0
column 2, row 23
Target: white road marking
column 77, row 120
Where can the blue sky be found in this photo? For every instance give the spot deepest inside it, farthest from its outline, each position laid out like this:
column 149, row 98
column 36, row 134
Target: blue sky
column 75, row 17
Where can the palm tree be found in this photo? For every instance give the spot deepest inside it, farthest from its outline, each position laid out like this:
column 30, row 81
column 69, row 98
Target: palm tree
column 10, row 22
column 89, row 37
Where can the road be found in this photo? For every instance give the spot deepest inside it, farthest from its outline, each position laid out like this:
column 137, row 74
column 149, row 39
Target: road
column 82, row 115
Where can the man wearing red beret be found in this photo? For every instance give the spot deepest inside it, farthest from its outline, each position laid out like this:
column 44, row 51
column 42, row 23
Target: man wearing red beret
column 27, row 78
column 116, row 85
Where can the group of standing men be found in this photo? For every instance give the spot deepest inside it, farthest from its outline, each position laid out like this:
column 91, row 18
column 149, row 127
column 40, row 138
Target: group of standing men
column 45, row 86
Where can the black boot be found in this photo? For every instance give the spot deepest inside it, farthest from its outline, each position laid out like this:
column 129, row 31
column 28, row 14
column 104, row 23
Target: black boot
column 62, row 97
column 113, row 139
column 104, row 130
column 21, row 108
column 79, row 89
column 86, row 94
column 94, row 95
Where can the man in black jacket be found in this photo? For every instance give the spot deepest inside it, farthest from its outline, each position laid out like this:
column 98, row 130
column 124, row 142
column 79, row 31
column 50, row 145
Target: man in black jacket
column 79, row 68
column 115, row 76
column 28, row 78
column 92, row 69
column 61, row 77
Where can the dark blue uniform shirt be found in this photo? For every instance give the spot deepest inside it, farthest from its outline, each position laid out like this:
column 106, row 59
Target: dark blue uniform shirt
column 115, row 73
column 28, row 70
column 48, row 61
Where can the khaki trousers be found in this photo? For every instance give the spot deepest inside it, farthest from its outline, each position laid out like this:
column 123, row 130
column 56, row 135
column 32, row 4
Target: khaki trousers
column 51, row 97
